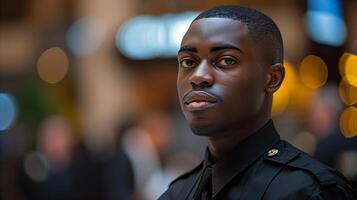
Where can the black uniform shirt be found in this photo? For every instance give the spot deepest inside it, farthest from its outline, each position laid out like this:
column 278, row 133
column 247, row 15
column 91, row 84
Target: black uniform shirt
column 264, row 167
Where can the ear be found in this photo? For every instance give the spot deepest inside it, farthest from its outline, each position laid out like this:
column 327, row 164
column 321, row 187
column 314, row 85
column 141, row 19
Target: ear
column 275, row 77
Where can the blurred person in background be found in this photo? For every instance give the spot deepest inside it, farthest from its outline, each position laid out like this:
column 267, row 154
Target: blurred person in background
column 230, row 64
column 62, row 169
column 48, row 172
column 117, row 173
column 146, row 143
column 332, row 148
column 324, row 111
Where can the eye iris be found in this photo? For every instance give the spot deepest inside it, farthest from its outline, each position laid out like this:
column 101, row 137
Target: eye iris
column 228, row 62
column 188, row 63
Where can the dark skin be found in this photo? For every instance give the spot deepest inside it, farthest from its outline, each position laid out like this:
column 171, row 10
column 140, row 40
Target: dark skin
column 225, row 84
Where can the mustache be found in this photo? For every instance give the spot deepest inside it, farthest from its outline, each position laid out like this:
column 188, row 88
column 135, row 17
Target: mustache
column 200, row 91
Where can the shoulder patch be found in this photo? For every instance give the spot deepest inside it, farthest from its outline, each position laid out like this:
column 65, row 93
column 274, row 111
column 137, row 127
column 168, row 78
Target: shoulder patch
column 184, row 175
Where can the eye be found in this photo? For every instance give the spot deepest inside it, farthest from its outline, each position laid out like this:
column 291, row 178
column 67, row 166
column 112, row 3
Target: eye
column 187, row 63
column 226, row 62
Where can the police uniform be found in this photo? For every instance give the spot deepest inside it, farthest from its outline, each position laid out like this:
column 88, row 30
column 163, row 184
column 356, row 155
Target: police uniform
column 262, row 167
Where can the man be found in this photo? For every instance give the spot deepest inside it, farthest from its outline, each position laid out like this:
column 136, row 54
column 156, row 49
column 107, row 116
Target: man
column 230, row 64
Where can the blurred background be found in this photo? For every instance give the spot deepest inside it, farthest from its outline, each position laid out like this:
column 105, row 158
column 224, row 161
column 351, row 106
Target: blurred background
column 88, row 103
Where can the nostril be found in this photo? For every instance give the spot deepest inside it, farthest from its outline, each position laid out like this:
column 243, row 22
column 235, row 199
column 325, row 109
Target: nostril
column 205, row 83
column 200, row 83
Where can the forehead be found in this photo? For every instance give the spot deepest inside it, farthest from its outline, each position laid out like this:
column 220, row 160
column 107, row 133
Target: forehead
column 217, row 30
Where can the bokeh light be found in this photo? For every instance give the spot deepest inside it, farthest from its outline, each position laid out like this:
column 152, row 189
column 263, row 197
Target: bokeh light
column 147, row 37
column 8, row 111
column 313, row 71
column 324, row 22
column 346, row 163
column 351, row 70
column 141, row 38
column 348, row 93
column 326, row 28
column 333, row 7
column 282, row 96
column 342, row 63
column 177, row 25
column 348, row 122
column 52, row 65
column 86, row 35
column 36, row 166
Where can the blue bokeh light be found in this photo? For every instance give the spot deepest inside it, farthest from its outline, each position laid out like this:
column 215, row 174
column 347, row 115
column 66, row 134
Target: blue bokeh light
column 8, row 111
column 148, row 37
column 177, row 26
column 333, row 7
column 324, row 22
column 141, row 37
column 85, row 35
column 325, row 28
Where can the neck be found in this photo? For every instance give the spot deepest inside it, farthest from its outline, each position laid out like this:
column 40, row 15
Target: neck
column 219, row 146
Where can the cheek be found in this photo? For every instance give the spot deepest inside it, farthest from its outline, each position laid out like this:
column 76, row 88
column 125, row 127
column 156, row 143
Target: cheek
column 180, row 94
column 182, row 87
column 179, row 85
column 246, row 95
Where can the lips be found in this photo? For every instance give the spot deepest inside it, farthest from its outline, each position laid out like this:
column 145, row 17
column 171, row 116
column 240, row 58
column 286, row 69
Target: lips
column 199, row 100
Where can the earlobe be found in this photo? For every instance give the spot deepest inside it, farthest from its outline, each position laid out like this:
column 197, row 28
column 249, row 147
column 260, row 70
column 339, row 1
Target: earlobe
column 275, row 77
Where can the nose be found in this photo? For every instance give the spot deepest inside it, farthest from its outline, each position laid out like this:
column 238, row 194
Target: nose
column 202, row 75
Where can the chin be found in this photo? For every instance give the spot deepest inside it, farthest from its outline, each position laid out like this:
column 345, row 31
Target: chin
column 206, row 129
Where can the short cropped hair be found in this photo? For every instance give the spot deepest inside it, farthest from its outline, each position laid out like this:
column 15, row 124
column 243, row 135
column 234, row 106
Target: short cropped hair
column 262, row 28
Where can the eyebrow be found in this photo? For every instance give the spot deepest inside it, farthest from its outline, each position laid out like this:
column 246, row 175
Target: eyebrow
column 213, row 49
column 188, row 48
column 225, row 46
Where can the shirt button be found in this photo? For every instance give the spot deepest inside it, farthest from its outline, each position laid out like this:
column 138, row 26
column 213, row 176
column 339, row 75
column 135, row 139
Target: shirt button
column 272, row 152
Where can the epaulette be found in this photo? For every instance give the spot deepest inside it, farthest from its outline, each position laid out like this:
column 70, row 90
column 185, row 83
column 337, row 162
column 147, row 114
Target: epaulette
column 292, row 157
column 288, row 155
column 280, row 153
column 184, row 175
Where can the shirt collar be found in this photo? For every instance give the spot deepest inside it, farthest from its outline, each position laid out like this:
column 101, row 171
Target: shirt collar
column 241, row 157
